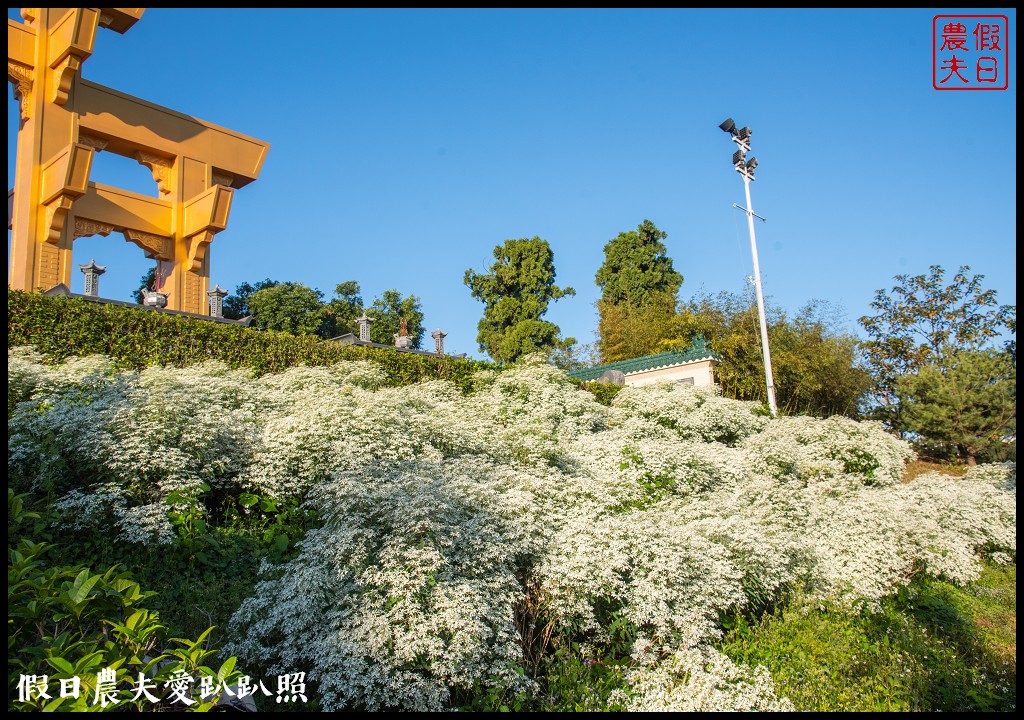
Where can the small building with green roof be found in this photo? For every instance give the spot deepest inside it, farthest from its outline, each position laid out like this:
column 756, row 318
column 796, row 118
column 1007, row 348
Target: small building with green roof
column 693, row 366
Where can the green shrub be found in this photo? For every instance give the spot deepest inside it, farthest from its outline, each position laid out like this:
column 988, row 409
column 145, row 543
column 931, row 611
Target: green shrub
column 133, row 338
column 66, row 622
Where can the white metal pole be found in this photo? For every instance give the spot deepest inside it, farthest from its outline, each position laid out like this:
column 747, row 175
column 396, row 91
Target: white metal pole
column 769, row 381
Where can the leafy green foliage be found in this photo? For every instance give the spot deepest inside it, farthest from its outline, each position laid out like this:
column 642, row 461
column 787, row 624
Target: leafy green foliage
column 67, row 621
column 636, row 268
column 577, row 683
column 932, row 647
column 344, row 308
column 389, row 310
column 638, row 293
column 964, row 404
column 574, row 356
column 290, row 307
column 918, row 320
column 629, row 331
column 813, row 360
column 516, row 292
column 134, row 338
column 604, row 393
column 236, row 306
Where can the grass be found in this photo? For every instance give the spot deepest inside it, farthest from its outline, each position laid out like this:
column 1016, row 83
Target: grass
column 933, row 647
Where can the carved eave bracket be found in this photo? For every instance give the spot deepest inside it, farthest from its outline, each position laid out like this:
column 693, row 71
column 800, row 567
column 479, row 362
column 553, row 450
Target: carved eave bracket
column 63, row 75
column 21, row 78
column 161, row 168
column 120, row 20
column 85, row 227
column 71, row 43
column 65, row 179
column 198, row 245
column 205, row 215
column 95, row 142
column 156, row 247
column 56, row 215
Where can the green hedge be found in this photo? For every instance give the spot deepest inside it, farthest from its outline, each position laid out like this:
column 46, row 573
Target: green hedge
column 604, row 392
column 62, row 327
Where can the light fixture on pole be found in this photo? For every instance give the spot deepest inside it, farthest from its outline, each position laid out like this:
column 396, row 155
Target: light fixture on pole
column 745, row 168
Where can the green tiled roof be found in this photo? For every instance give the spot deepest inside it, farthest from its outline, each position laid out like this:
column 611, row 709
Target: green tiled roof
column 698, row 350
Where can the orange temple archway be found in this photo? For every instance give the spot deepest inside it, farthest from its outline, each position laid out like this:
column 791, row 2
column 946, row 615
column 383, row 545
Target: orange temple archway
column 65, row 119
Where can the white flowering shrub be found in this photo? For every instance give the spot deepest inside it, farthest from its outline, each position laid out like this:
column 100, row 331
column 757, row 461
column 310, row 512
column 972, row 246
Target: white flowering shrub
column 50, row 431
column 644, row 565
column 835, row 448
column 25, row 372
column 697, row 412
column 441, row 510
column 128, row 448
column 405, row 594
column 699, row 680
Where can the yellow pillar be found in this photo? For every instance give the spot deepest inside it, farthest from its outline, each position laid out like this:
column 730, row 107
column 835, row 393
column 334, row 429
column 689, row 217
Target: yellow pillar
column 65, row 120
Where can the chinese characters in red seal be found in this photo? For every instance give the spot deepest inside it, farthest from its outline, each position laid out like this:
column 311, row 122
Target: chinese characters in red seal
column 970, row 52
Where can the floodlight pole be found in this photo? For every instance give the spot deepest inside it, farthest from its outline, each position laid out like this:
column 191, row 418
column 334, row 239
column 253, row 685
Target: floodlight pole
column 746, row 169
column 769, row 380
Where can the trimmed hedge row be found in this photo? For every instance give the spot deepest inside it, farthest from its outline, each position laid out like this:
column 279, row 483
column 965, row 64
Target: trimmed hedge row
column 62, row 327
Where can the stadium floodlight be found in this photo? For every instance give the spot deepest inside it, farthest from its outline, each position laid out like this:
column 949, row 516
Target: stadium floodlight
column 746, row 169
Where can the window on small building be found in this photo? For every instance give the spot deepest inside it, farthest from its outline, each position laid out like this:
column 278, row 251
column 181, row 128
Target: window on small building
column 685, row 381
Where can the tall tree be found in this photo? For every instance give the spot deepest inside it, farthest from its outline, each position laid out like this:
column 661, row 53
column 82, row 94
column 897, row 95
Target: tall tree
column 964, row 403
column 639, row 288
column 918, row 320
column 236, row 306
column 628, row 331
column 289, row 307
column 389, row 310
column 516, row 292
column 344, row 308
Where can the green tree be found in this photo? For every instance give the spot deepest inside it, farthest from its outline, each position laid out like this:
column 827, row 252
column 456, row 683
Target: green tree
column 573, row 356
column 516, row 292
column 236, row 306
column 964, row 403
column 345, row 308
column 289, row 307
column 628, row 331
column 917, row 321
column 146, row 282
column 639, row 288
column 814, row 361
column 389, row 310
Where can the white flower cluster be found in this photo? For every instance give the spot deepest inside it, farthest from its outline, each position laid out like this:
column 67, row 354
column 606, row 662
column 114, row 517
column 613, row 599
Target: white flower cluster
column 405, row 593
column 439, row 508
column 699, row 680
column 693, row 411
column 836, row 449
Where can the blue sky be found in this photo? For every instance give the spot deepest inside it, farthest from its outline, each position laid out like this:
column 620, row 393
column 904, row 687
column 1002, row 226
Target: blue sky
column 406, row 144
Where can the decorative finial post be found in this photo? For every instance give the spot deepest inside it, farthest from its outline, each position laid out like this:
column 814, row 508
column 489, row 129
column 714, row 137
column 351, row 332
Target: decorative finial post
column 364, row 327
column 217, row 296
column 438, row 341
column 402, row 339
column 92, row 277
